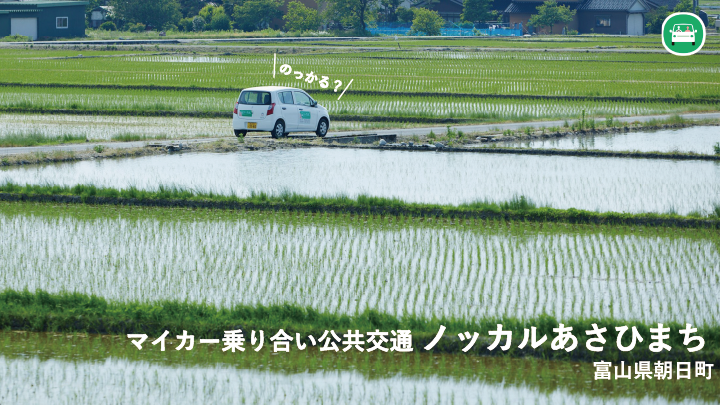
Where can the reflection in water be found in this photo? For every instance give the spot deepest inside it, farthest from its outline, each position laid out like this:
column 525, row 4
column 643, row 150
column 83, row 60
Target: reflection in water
column 693, row 139
column 108, row 369
column 602, row 184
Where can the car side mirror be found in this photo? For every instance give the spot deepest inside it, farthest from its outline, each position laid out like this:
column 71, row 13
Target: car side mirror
column 313, row 103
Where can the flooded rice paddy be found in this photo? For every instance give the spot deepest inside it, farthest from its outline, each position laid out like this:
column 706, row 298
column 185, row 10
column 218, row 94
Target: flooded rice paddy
column 106, row 128
column 44, row 367
column 342, row 264
column 601, row 184
column 700, row 139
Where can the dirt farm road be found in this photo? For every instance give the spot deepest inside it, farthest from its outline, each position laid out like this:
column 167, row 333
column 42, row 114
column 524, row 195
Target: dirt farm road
column 468, row 129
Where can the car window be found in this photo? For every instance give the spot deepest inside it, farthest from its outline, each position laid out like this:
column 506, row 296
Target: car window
column 286, row 97
column 254, row 98
column 301, row 98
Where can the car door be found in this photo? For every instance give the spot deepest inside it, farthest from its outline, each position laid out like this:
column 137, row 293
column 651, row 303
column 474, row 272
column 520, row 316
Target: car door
column 306, row 120
column 289, row 111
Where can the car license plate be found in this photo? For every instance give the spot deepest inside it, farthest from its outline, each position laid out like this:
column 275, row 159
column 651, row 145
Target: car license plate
column 252, row 125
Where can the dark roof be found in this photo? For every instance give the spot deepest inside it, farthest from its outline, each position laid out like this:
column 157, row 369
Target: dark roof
column 607, row 5
column 531, row 7
column 670, row 4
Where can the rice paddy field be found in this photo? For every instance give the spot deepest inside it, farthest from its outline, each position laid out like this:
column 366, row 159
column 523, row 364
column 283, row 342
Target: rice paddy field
column 343, row 265
column 596, row 184
column 700, row 139
column 452, row 83
column 76, row 278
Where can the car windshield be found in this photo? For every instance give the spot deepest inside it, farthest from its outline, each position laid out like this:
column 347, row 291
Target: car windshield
column 254, row 98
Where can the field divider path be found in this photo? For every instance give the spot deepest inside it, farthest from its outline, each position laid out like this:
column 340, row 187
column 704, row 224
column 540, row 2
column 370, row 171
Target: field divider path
column 420, row 131
column 572, row 216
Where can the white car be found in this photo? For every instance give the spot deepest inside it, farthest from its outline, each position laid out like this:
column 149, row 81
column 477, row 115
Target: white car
column 279, row 110
column 683, row 33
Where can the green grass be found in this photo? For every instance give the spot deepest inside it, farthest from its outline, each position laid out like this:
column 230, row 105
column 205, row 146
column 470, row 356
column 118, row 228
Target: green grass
column 37, row 139
column 73, row 312
column 519, row 208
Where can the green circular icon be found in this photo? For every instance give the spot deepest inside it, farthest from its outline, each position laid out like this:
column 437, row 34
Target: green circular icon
column 683, row 34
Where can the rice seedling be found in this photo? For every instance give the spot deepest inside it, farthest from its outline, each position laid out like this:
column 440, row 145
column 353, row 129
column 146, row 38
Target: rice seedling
column 346, row 264
column 699, row 139
column 595, row 184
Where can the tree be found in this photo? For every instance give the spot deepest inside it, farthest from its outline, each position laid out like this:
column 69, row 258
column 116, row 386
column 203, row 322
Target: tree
column 190, row 8
column 684, row 6
column 155, row 13
column 300, row 17
column 220, row 22
column 549, row 14
column 351, row 12
column 256, row 14
column 198, row 24
column 405, row 14
column 215, row 18
column 387, row 12
column 655, row 19
column 427, row 21
column 476, row 10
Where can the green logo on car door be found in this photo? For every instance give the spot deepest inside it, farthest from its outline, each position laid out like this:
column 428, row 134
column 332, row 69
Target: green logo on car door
column 246, row 113
column 305, row 115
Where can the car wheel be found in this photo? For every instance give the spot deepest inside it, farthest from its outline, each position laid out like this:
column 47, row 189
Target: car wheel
column 322, row 128
column 693, row 43
column 278, row 130
column 673, row 43
column 286, row 134
column 240, row 133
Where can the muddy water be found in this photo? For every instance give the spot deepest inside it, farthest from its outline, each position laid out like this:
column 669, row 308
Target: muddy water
column 59, row 368
column 602, row 184
column 699, row 139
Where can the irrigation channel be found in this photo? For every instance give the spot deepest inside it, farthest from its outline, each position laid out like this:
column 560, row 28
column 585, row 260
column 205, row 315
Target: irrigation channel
column 700, row 139
column 345, row 265
column 39, row 367
column 591, row 183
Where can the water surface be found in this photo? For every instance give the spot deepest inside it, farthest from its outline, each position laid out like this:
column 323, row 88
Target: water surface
column 602, row 184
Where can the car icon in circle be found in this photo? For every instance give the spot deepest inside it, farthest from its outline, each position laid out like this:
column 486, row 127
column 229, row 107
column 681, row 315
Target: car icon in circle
column 683, row 33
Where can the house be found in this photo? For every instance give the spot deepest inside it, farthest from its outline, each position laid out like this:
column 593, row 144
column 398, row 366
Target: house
column 99, row 15
column 42, row 19
column 618, row 17
column 519, row 12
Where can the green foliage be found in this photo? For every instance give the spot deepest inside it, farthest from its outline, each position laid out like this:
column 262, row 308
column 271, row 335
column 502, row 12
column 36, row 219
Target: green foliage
column 139, row 27
column 155, row 13
column 41, row 311
column 220, row 21
column 716, row 147
column 255, row 15
column 550, row 13
column 108, row 26
column 186, row 25
column 190, row 8
column 404, row 14
column 476, row 10
column 684, row 6
column 655, row 19
column 198, row 24
column 351, row 13
column 36, row 139
column 387, row 10
column 427, row 22
column 16, row 38
column 99, row 148
column 300, row 18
